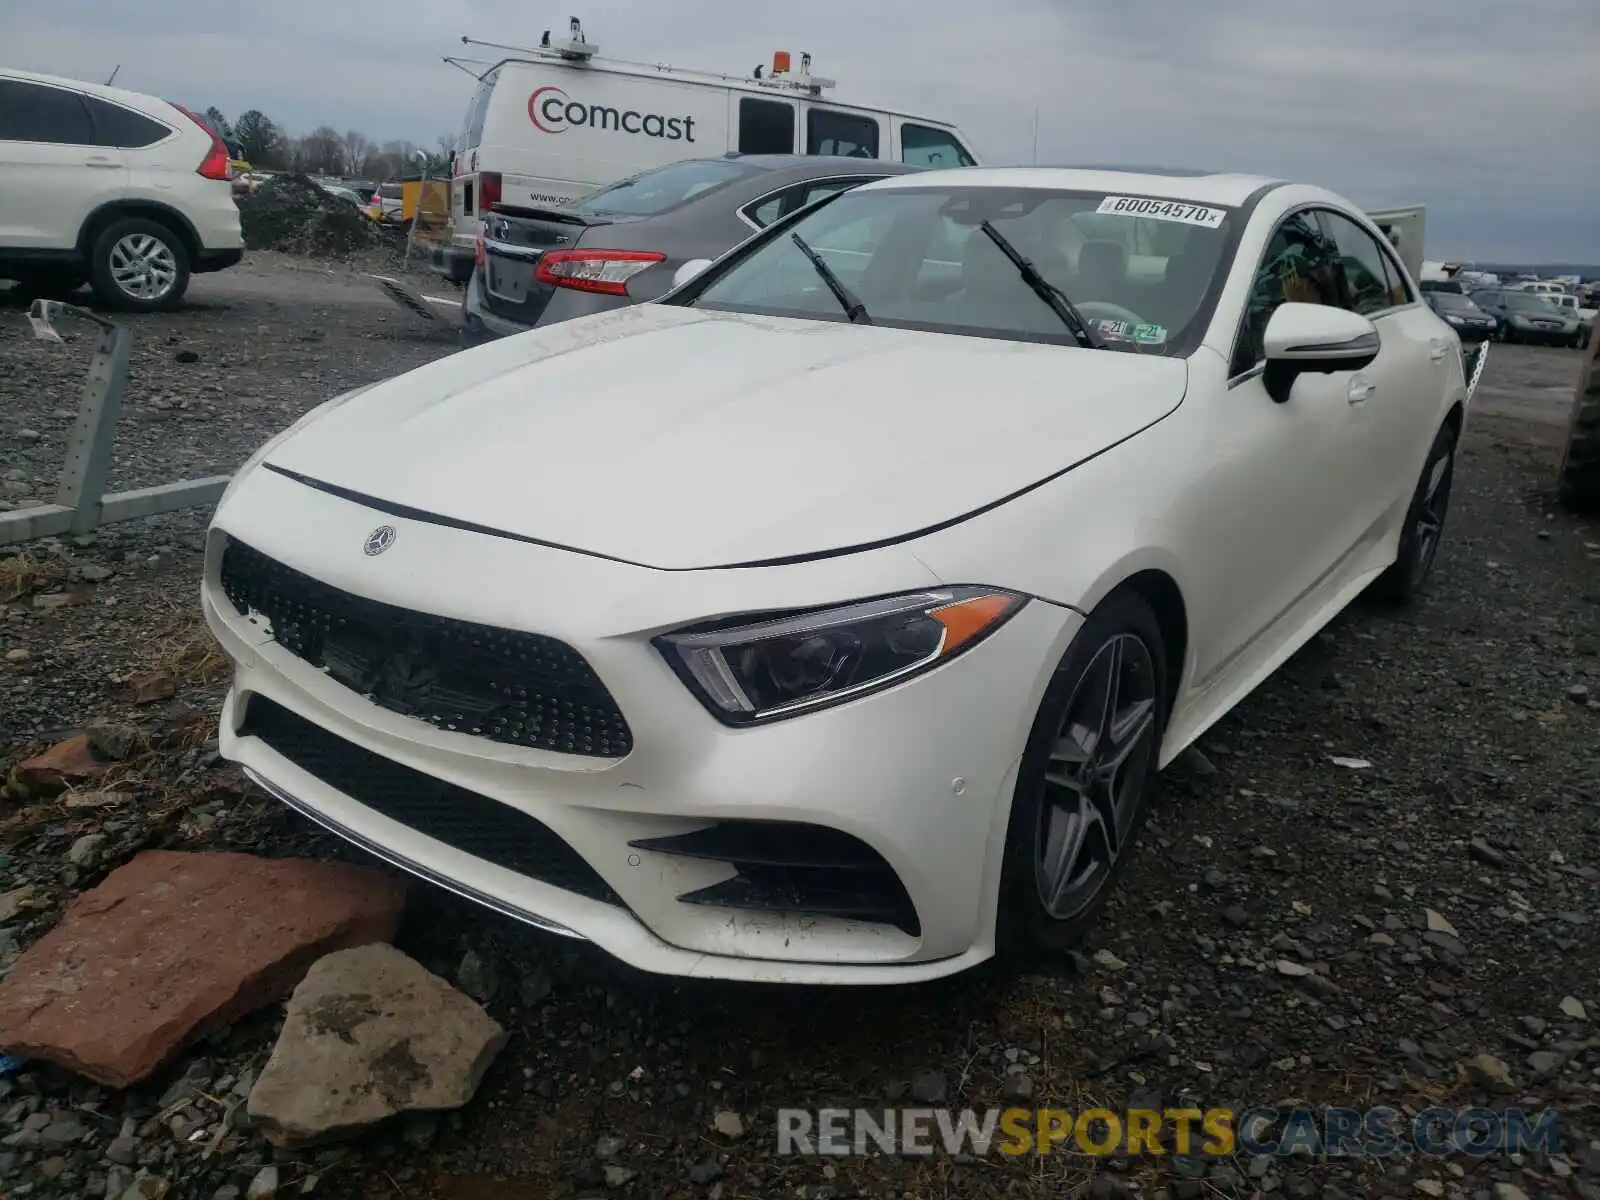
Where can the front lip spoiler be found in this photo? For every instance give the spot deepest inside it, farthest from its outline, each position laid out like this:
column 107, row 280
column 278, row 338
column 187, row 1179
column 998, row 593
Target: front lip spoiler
column 410, row 867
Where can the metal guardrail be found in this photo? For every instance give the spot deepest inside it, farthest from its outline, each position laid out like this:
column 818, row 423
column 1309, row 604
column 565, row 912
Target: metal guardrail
column 81, row 504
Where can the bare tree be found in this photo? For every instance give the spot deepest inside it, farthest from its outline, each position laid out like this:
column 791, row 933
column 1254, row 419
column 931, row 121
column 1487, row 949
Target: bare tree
column 356, row 147
column 322, row 151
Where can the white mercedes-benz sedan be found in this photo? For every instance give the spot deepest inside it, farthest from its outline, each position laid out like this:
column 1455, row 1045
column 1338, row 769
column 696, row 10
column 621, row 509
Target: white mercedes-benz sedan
column 829, row 619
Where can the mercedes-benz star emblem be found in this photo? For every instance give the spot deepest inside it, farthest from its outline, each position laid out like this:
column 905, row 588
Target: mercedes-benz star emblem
column 379, row 540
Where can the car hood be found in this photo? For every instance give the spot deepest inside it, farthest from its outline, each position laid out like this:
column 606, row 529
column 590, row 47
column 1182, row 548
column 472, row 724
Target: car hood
column 679, row 439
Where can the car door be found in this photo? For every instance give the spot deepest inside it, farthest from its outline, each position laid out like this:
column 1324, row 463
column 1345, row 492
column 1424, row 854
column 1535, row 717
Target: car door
column 1396, row 421
column 1275, row 480
column 52, row 172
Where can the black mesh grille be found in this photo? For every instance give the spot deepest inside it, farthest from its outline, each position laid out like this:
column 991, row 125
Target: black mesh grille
column 523, row 689
column 473, row 824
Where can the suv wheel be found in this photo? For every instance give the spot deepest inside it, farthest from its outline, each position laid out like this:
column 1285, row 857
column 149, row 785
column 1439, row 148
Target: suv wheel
column 138, row 265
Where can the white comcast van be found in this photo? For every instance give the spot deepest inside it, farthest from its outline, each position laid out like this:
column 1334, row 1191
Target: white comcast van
column 552, row 124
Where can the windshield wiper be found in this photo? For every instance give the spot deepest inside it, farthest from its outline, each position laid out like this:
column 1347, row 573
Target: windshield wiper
column 1047, row 291
column 853, row 308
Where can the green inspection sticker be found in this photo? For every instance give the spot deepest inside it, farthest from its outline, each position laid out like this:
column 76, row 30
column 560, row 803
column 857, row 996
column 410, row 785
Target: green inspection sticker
column 1150, row 335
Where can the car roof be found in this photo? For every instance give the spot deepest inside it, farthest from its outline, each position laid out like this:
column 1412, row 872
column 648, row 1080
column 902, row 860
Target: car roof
column 830, row 164
column 1178, row 184
column 120, row 95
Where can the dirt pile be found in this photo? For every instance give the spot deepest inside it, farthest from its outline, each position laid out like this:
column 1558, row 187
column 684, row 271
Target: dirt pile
column 293, row 214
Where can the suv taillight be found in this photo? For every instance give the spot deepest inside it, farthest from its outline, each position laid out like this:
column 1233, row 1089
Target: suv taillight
column 218, row 163
column 488, row 190
column 603, row 271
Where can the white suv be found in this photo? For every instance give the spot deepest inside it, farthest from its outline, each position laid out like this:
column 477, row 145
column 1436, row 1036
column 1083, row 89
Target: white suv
column 123, row 190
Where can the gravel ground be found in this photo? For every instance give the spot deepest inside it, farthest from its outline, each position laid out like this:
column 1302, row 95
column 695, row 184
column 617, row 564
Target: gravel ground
column 1269, row 944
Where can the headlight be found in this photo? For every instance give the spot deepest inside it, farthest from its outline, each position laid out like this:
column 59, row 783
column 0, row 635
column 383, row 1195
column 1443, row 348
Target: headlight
column 1455, row 320
column 760, row 671
column 1518, row 319
column 272, row 443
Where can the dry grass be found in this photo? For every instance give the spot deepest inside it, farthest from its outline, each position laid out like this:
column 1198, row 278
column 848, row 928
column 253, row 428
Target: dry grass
column 184, row 650
column 21, row 575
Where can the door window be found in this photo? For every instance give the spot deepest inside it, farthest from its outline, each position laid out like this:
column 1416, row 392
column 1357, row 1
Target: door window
column 32, row 112
column 1301, row 265
column 1370, row 284
column 829, row 131
column 765, row 126
column 927, row 147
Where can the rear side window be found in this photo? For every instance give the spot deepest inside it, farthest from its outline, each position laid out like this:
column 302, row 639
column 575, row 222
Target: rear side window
column 391, row 191
column 924, row 146
column 829, row 131
column 765, row 126
column 665, row 188
column 33, row 112
column 122, row 127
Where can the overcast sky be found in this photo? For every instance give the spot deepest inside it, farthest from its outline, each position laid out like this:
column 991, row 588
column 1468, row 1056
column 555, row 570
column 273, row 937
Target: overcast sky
column 1486, row 110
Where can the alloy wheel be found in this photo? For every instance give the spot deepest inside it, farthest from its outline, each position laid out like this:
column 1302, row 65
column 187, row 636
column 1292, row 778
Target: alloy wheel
column 1428, row 524
column 1096, row 776
column 143, row 266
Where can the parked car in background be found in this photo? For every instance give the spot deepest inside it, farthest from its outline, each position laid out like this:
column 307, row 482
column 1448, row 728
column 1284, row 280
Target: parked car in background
column 388, row 202
column 622, row 245
column 1585, row 313
column 348, row 195
column 1470, row 322
column 115, row 188
column 1530, row 317
column 829, row 619
column 552, row 123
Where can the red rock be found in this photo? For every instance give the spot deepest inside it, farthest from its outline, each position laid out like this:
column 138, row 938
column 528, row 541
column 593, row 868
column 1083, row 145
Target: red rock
column 71, row 761
column 173, row 945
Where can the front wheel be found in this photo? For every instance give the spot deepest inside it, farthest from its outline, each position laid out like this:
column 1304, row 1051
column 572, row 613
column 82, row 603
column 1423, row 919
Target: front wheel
column 139, row 265
column 1086, row 780
column 1424, row 527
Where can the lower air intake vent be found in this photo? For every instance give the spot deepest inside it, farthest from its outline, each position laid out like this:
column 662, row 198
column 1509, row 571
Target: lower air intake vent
column 786, row 867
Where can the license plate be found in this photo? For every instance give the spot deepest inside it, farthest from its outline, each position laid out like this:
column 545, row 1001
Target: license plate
column 510, row 279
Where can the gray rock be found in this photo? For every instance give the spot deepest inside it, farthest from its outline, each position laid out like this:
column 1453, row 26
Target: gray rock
column 86, row 851
column 707, row 1170
column 265, row 1185
column 1491, row 1073
column 929, row 1087
column 369, row 1034
column 123, row 1150
column 61, row 1132
column 477, row 977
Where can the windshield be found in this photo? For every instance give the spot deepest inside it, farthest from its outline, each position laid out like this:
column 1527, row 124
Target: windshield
column 916, row 258
column 666, row 187
column 1452, row 300
column 1528, row 302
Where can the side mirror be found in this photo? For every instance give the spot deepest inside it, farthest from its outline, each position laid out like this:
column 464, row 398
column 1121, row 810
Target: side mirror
column 689, row 270
column 1315, row 337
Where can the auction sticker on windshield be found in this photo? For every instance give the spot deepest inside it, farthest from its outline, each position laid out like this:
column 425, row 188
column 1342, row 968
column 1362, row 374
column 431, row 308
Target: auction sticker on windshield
column 1163, row 210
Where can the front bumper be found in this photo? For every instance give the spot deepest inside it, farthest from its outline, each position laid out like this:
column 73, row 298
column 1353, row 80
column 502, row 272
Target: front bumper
column 216, row 260
column 921, row 773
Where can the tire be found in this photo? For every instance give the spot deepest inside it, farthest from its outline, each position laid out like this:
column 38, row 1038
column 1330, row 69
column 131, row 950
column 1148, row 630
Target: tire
column 1408, row 575
column 117, row 255
column 1028, row 924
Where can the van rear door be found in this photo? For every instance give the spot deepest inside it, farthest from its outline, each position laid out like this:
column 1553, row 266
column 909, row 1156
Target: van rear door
column 464, row 175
